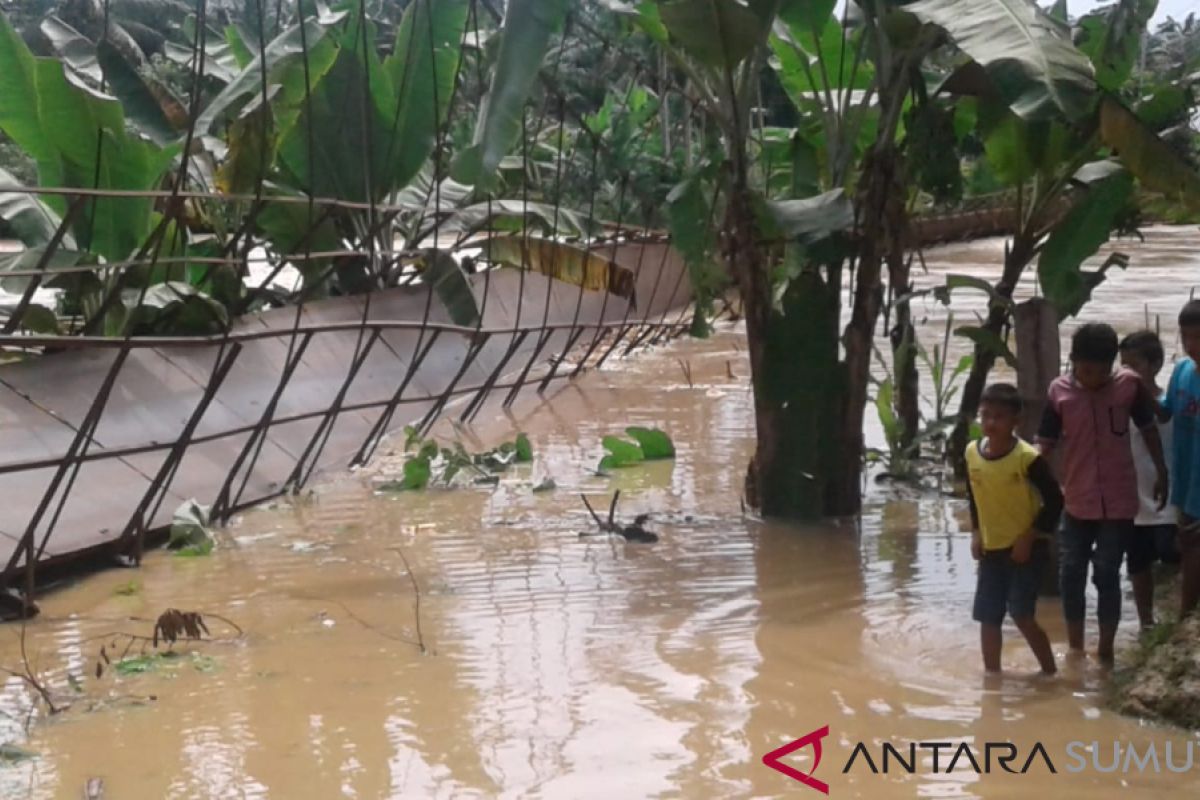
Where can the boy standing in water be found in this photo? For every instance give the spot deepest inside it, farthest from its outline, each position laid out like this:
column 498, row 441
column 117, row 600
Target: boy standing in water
column 1087, row 416
column 1154, row 531
column 1182, row 403
column 1015, row 504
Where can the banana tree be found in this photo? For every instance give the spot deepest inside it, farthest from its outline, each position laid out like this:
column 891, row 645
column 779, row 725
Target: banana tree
column 781, row 209
column 1072, row 166
column 330, row 84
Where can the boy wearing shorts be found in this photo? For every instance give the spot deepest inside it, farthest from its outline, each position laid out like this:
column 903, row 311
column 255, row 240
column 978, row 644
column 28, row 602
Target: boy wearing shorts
column 1015, row 505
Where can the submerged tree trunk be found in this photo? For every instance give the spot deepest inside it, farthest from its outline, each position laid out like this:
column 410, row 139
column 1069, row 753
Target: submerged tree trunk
column 1016, row 258
column 878, row 240
column 797, row 393
column 794, row 370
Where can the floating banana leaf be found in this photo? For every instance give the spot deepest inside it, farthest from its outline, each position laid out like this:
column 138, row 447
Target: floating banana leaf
column 563, row 262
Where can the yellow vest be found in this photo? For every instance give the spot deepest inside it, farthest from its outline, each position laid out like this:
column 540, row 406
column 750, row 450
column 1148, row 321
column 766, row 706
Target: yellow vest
column 1005, row 500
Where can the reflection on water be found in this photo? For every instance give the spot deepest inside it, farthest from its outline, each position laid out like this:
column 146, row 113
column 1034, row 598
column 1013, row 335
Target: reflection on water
column 561, row 666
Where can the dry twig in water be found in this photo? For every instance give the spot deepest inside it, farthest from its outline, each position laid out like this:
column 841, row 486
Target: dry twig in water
column 31, row 679
column 686, row 366
column 416, row 598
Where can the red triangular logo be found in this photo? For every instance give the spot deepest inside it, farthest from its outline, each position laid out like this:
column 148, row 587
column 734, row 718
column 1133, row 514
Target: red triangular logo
column 772, row 759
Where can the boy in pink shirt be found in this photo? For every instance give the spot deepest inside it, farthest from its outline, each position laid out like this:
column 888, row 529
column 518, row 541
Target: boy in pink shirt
column 1087, row 419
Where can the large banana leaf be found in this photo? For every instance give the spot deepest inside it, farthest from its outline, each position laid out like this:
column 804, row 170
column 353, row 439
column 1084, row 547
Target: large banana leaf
column 808, row 63
column 240, row 45
column 515, row 215
column 28, row 260
column 420, row 195
column 251, row 150
column 1028, row 55
column 1111, row 37
column 422, row 68
column 1155, row 163
column 1087, row 226
column 94, row 149
column 1019, row 149
column 72, row 47
column 719, row 33
column 689, row 214
column 528, row 26
column 807, row 219
column 18, row 95
column 149, row 105
column 284, row 51
column 806, row 14
column 339, row 146
column 79, row 138
column 563, row 262
column 30, row 219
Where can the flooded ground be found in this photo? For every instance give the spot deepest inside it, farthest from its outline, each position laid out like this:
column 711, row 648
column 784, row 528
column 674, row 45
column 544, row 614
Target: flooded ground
column 565, row 667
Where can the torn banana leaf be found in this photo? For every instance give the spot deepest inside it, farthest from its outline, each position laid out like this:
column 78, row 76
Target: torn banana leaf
column 564, row 262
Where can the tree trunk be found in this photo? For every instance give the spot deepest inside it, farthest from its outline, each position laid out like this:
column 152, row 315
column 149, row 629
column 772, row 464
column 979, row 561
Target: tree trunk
column 904, row 352
column 794, row 372
column 877, row 241
column 1039, row 357
column 797, row 394
column 664, row 106
column 1016, row 258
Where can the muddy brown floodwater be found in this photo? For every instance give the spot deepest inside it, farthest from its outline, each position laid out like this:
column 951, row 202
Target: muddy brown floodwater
column 563, row 667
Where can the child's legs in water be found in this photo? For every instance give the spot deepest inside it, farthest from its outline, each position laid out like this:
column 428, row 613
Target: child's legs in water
column 1106, row 575
column 991, row 601
column 1075, row 541
column 1024, row 584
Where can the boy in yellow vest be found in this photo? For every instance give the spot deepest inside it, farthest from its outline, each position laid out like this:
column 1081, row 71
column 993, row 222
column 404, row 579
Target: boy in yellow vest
column 1015, row 505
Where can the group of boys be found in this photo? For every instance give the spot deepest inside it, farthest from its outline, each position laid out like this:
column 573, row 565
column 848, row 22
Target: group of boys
column 1111, row 434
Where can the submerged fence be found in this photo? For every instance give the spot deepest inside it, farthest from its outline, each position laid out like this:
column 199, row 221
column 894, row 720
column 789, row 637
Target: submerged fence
column 101, row 438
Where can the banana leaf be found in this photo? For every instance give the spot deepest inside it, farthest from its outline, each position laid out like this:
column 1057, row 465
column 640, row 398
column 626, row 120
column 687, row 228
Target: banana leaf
column 1154, row 162
column 563, row 262
column 1076, row 238
column 1027, row 54
column 422, row 69
column 528, row 26
column 31, row 219
column 73, row 48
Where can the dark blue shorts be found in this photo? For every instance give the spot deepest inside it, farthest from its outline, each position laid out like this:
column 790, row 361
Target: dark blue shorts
column 1003, row 586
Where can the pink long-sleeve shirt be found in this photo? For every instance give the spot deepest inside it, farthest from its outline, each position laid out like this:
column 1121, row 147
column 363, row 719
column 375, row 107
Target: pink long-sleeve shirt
column 1091, row 429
